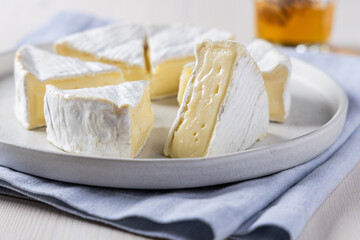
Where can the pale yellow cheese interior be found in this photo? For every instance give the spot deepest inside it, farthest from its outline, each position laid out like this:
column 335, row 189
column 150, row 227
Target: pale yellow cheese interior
column 142, row 121
column 131, row 72
column 275, row 82
column 184, row 79
column 35, row 91
column 208, row 86
column 165, row 77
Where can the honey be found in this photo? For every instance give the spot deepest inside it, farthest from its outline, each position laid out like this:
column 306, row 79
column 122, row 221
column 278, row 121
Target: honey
column 292, row 22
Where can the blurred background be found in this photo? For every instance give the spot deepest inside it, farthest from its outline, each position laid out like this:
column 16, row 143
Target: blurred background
column 19, row 17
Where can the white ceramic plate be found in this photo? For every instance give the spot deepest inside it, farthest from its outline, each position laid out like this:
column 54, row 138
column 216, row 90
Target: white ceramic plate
column 316, row 119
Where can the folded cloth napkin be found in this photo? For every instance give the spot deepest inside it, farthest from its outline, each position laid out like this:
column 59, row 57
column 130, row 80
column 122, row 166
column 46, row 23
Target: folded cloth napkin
column 61, row 25
column 272, row 207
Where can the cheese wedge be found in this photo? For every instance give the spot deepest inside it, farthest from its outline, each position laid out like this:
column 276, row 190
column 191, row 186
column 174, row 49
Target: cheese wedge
column 121, row 45
column 184, row 79
column 275, row 68
column 225, row 106
column 35, row 68
column 170, row 47
column 110, row 121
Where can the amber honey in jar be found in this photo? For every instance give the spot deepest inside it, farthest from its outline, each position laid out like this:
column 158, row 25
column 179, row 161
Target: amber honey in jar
column 293, row 22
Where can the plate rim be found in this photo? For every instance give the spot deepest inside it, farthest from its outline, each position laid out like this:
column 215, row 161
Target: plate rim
column 338, row 118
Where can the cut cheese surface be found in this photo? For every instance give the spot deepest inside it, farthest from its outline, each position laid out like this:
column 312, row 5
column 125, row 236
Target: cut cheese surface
column 275, row 68
column 108, row 121
column 121, row 45
column 153, row 52
column 35, row 68
column 184, row 79
column 276, row 71
column 170, row 48
column 165, row 77
column 225, row 106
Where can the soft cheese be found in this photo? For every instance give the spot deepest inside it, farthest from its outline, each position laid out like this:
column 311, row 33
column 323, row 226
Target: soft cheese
column 275, row 68
column 154, row 52
column 225, row 106
column 109, row 121
column 122, row 45
column 35, row 68
column 184, row 79
column 170, row 47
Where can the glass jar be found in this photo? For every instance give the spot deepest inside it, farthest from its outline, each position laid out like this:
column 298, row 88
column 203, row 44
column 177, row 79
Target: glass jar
column 294, row 22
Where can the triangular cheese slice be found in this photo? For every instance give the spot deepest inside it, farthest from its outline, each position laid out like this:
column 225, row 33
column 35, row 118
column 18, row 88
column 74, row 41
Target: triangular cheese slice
column 170, row 48
column 121, row 45
column 155, row 52
column 225, row 106
column 275, row 68
column 35, row 68
column 108, row 121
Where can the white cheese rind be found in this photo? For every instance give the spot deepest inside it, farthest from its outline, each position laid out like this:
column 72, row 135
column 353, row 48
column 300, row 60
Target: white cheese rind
column 178, row 40
column 47, row 66
column 21, row 101
column 268, row 58
column 243, row 117
column 119, row 42
column 93, row 120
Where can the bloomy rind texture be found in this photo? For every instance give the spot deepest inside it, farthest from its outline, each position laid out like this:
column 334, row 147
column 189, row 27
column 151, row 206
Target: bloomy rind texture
column 93, row 120
column 268, row 58
column 31, row 61
column 178, row 40
column 20, row 103
column 248, row 98
column 144, row 52
column 45, row 65
column 122, row 42
column 234, row 132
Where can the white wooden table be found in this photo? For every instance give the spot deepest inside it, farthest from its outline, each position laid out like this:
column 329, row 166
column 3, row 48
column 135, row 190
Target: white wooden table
column 337, row 218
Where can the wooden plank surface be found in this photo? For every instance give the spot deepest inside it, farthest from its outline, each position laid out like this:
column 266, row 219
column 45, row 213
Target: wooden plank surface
column 24, row 219
column 339, row 216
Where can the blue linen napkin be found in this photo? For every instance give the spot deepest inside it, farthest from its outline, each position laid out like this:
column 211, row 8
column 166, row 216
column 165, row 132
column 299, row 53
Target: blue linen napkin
column 272, row 207
column 61, row 25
